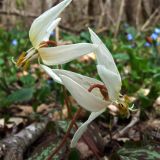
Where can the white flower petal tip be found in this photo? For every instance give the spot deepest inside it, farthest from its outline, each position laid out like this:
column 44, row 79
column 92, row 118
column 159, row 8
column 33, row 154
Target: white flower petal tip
column 51, row 73
column 44, row 23
column 85, row 99
column 94, row 37
column 83, row 127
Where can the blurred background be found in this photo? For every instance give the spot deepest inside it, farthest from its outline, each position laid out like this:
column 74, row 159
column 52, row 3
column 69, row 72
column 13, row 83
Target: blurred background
column 101, row 14
column 131, row 31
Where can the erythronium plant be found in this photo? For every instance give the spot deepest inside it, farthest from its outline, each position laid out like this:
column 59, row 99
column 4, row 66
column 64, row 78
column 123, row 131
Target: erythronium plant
column 90, row 93
column 39, row 34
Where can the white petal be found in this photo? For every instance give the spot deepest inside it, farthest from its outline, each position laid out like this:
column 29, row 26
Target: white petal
column 46, row 35
column 83, row 127
column 65, row 53
column 111, row 80
column 103, row 55
column 83, row 81
column 44, row 22
column 52, row 74
column 84, row 98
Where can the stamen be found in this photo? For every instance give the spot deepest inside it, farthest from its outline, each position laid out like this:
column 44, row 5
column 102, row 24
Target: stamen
column 102, row 89
column 26, row 65
column 30, row 53
column 20, row 59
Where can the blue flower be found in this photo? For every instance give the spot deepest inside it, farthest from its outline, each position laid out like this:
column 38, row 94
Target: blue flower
column 147, row 44
column 129, row 37
column 157, row 30
column 14, row 42
column 154, row 36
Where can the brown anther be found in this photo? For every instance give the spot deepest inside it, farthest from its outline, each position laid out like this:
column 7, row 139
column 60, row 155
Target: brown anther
column 102, row 89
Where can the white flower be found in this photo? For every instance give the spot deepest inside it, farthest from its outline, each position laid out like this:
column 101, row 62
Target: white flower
column 92, row 94
column 39, row 34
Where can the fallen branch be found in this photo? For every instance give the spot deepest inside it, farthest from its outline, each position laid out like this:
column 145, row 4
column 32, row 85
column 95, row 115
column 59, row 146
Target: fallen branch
column 66, row 135
column 18, row 13
column 119, row 133
column 12, row 148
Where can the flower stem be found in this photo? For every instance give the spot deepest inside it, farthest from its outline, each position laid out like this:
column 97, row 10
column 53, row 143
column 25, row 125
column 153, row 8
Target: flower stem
column 66, row 135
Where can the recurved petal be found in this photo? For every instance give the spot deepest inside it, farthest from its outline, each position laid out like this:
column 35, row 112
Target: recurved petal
column 112, row 81
column 84, row 126
column 103, row 55
column 84, row 81
column 43, row 24
column 44, row 35
column 51, row 73
column 65, row 53
column 87, row 100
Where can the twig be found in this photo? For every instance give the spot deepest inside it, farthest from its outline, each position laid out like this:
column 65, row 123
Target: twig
column 18, row 13
column 66, row 135
column 150, row 19
column 101, row 17
column 134, row 120
column 119, row 17
column 138, row 14
column 118, row 134
column 67, row 102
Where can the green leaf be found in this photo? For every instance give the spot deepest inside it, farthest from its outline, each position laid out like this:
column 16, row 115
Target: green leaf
column 148, row 153
column 1, row 61
column 28, row 80
column 74, row 154
column 22, row 95
column 121, row 56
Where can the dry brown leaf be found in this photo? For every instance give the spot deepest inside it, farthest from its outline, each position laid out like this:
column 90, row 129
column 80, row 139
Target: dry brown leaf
column 84, row 150
column 2, row 122
column 43, row 108
column 56, row 116
column 24, row 110
column 87, row 58
column 16, row 120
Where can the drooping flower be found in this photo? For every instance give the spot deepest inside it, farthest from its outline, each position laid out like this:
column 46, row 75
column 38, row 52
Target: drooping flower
column 90, row 93
column 39, row 35
column 40, row 31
